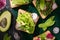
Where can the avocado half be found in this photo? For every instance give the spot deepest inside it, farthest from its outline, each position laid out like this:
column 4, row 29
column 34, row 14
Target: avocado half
column 5, row 21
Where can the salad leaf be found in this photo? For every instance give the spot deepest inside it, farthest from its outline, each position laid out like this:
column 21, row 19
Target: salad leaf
column 47, row 23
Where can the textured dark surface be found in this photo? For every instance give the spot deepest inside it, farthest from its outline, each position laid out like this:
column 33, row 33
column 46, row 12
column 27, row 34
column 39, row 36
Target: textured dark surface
column 32, row 9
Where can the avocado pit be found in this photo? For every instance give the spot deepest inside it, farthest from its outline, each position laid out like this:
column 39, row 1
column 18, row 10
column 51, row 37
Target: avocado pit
column 3, row 22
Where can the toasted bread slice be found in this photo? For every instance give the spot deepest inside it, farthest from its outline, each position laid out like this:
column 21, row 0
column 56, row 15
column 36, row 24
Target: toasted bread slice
column 45, row 33
column 47, row 10
column 20, row 11
column 19, row 3
column 34, row 2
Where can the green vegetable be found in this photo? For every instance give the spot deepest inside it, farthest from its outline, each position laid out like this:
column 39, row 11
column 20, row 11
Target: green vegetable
column 26, row 22
column 6, row 37
column 42, row 4
column 42, row 36
column 47, row 23
column 20, row 2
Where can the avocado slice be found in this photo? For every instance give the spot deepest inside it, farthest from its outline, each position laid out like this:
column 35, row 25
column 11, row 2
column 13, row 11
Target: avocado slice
column 5, row 21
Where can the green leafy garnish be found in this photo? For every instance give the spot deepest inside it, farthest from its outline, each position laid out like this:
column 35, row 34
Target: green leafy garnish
column 6, row 37
column 26, row 22
column 47, row 23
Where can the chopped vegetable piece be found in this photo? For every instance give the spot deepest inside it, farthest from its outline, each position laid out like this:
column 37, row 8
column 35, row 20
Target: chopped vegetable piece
column 2, row 4
column 35, row 17
column 49, row 35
